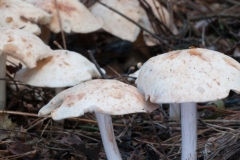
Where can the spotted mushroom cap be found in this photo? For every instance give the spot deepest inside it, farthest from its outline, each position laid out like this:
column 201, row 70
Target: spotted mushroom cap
column 105, row 96
column 23, row 45
column 75, row 17
column 18, row 14
column 190, row 75
column 115, row 23
column 64, row 68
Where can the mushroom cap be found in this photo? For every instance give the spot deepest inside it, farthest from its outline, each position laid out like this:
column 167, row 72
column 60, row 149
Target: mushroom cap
column 14, row 61
column 75, row 17
column 190, row 75
column 23, row 45
column 105, row 96
column 115, row 23
column 17, row 14
column 64, row 68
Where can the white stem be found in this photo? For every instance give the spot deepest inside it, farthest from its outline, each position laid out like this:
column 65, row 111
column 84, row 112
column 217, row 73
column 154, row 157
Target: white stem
column 2, row 81
column 189, row 131
column 108, row 138
column 59, row 123
column 174, row 111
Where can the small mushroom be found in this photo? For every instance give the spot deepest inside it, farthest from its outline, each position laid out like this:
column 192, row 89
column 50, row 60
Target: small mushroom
column 74, row 16
column 63, row 69
column 17, row 14
column 187, row 77
column 21, row 45
column 104, row 97
column 115, row 23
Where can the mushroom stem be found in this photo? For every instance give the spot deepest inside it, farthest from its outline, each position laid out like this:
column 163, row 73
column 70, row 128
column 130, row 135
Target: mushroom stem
column 174, row 111
column 189, row 130
column 108, row 138
column 59, row 123
column 2, row 81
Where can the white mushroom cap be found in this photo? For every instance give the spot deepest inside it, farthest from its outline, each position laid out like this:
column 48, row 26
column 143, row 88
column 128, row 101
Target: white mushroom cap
column 74, row 16
column 23, row 45
column 105, row 96
column 15, row 61
column 17, row 14
column 115, row 23
column 64, row 68
column 191, row 75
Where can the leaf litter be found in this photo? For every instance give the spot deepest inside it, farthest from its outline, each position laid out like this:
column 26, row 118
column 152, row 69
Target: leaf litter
column 209, row 23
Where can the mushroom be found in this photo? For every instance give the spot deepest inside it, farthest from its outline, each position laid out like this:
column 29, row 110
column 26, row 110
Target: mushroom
column 74, row 16
column 63, row 69
column 21, row 45
column 187, row 77
column 104, row 97
column 115, row 23
column 17, row 14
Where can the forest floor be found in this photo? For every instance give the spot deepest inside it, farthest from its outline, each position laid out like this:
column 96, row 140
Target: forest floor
column 207, row 24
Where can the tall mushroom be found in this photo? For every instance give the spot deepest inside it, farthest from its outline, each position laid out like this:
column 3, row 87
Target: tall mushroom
column 187, row 77
column 21, row 45
column 104, row 97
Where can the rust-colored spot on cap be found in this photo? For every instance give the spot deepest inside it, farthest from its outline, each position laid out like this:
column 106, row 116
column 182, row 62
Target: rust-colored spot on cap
column 10, row 48
column 9, row 19
column 67, row 64
column 43, row 62
column 174, row 54
column 10, row 39
column 65, row 8
column 23, row 19
column 117, row 94
column 23, row 39
column 81, row 95
column 232, row 62
column 29, row 54
column 194, row 52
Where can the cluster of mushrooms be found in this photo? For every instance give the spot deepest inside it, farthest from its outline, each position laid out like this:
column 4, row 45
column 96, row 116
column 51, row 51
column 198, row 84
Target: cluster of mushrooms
column 179, row 78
